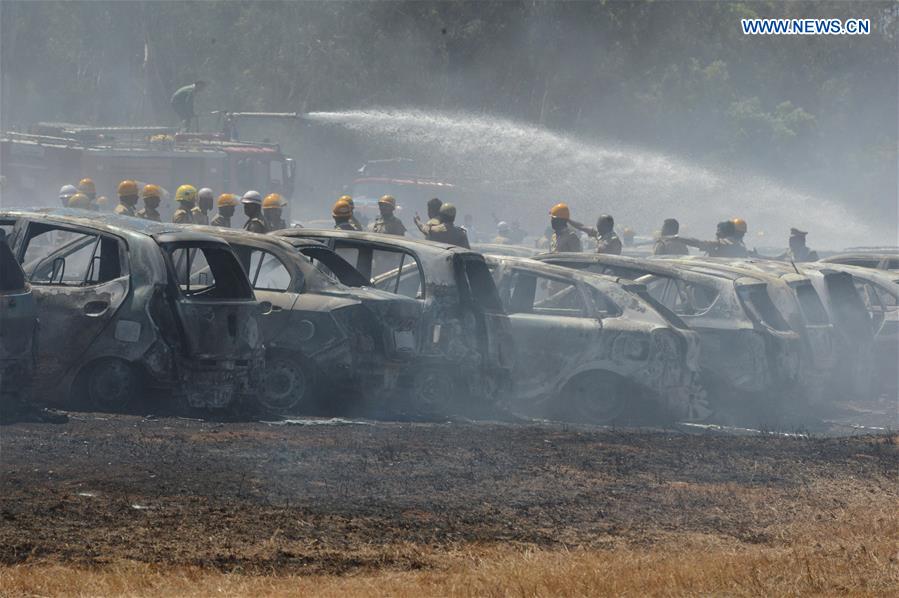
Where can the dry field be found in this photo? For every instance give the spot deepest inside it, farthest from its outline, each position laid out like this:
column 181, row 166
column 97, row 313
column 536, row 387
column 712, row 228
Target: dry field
column 119, row 505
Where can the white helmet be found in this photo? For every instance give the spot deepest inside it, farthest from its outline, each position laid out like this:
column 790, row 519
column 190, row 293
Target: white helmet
column 253, row 197
column 67, row 191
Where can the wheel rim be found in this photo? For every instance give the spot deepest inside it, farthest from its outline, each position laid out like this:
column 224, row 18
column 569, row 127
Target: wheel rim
column 596, row 403
column 111, row 384
column 432, row 390
column 285, row 386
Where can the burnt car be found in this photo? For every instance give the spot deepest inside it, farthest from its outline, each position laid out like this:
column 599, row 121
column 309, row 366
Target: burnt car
column 881, row 258
column 127, row 305
column 593, row 348
column 18, row 327
column 501, row 249
column 463, row 339
column 327, row 344
column 879, row 291
column 748, row 352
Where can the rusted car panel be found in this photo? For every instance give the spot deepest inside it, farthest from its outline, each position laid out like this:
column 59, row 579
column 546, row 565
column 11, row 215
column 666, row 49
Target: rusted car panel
column 127, row 304
column 879, row 291
column 323, row 339
column 571, row 326
column 464, row 342
column 746, row 345
column 18, row 327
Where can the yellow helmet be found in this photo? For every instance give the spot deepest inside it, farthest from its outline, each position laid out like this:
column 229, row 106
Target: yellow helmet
column 87, row 185
column 127, row 188
column 341, row 209
column 151, row 190
column 560, row 210
column 273, row 200
column 740, row 225
column 227, row 200
column 186, row 193
column 80, row 200
column 388, row 200
column 347, row 199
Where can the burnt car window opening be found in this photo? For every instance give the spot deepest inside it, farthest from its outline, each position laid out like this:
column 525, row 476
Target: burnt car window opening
column 476, row 285
column 208, row 273
column 556, row 297
column 848, row 306
column 893, row 264
column 267, row 272
column 334, row 266
column 11, row 277
column 604, row 306
column 811, row 304
column 350, row 254
column 671, row 317
column 760, row 306
column 397, row 272
column 59, row 256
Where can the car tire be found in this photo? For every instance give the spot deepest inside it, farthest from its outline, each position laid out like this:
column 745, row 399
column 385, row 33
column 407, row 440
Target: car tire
column 289, row 383
column 594, row 397
column 112, row 384
column 433, row 392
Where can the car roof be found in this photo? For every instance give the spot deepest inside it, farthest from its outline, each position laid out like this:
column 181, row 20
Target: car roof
column 416, row 245
column 740, row 267
column 554, row 270
column 874, row 254
column 888, row 278
column 115, row 224
column 663, row 267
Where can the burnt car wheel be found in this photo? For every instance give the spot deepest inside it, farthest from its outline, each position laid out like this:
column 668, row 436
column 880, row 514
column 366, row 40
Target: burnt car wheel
column 288, row 385
column 112, row 384
column 594, row 397
column 433, row 392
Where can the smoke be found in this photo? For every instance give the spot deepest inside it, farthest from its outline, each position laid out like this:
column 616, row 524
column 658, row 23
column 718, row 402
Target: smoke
column 525, row 169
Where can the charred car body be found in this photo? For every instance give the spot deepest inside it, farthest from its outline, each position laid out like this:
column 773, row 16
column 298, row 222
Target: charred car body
column 882, row 258
column 592, row 349
column 462, row 339
column 747, row 350
column 127, row 304
column 323, row 340
column 18, row 327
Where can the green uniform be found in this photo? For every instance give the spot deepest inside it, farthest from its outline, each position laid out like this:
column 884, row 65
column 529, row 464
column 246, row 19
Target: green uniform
column 221, row 221
column 802, row 255
column 427, row 226
column 199, row 216
column 183, row 216
column 149, row 214
column 256, row 225
column 447, row 232
column 565, row 241
column 124, row 210
column 388, row 225
column 724, row 247
column 275, row 223
column 501, row 240
column 670, row 245
column 608, row 243
column 357, row 225
column 345, row 226
column 183, row 104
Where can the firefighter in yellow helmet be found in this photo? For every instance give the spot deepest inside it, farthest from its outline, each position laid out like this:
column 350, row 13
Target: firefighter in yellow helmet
column 80, row 201
column 387, row 223
column 128, row 195
column 205, row 199
column 272, row 207
column 151, row 195
column 342, row 212
column 740, row 227
column 88, row 188
column 227, row 202
column 186, row 197
column 102, row 204
column 252, row 208
column 358, row 223
column 564, row 238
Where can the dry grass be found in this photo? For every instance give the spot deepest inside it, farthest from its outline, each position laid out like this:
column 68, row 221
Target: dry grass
column 851, row 552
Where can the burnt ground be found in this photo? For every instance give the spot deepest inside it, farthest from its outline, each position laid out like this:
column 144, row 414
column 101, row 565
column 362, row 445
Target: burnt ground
column 260, row 497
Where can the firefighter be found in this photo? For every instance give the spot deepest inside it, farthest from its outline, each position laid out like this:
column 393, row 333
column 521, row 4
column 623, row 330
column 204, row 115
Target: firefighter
column 102, row 204
column 668, row 243
column 272, row 206
column 205, row 199
column 65, row 193
column 151, row 194
column 358, row 223
column 502, row 233
column 799, row 251
column 128, row 196
column 724, row 245
column 227, row 202
column 740, row 228
column 627, row 236
column 604, row 233
column 387, row 223
column 342, row 212
column 183, row 103
column 186, row 196
column 87, row 187
column 433, row 217
column 80, row 201
column 252, row 208
column 447, row 231
column 564, row 238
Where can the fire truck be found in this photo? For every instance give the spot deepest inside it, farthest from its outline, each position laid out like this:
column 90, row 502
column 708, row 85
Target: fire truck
column 36, row 164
